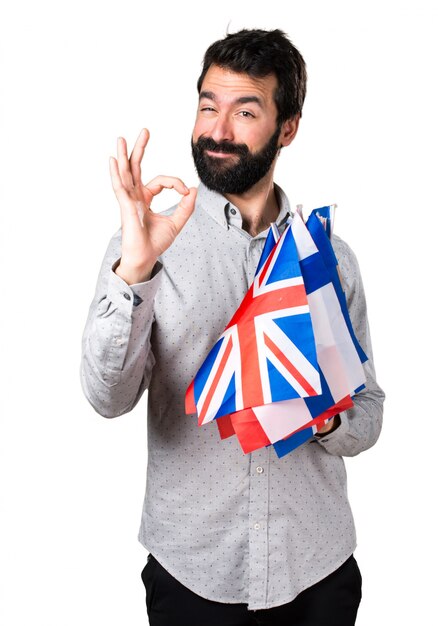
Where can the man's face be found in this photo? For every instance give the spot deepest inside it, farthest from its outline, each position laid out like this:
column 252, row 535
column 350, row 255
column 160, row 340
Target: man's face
column 236, row 137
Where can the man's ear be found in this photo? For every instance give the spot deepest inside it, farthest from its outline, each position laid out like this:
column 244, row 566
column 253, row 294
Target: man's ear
column 289, row 129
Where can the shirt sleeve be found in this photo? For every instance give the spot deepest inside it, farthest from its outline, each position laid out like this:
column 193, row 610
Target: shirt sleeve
column 361, row 425
column 117, row 359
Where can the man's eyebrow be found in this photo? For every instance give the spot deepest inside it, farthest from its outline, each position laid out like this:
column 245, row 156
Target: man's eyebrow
column 207, row 94
column 242, row 100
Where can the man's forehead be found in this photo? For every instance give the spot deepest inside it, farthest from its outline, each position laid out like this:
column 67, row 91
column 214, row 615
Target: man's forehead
column 223, row 84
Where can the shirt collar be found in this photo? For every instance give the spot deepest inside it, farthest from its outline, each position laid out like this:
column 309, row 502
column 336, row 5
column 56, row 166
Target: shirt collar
column 221, row 210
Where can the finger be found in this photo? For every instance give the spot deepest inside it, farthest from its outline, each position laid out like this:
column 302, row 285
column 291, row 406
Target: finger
column 184, row 209
column 119, row 189
column 157, row 184
column 115, row 176
column 124, row 167
column 137, row 155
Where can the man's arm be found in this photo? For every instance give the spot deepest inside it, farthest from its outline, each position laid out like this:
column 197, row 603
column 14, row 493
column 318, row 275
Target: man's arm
column 358, row 428
column 117, row 359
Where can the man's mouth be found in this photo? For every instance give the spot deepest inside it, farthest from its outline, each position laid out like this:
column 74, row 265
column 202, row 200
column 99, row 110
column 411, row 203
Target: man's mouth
column 220, row 155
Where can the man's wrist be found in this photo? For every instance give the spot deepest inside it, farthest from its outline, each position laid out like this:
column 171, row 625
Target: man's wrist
column 132, row 276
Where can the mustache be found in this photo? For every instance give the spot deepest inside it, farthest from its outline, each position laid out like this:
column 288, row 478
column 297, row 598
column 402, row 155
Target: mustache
column 207, row 143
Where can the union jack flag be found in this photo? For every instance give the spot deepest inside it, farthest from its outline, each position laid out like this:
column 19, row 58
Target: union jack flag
column 288, row 361
column 267, row 352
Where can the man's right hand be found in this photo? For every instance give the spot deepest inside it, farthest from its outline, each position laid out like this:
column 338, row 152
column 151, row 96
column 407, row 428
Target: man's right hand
column 145, row 235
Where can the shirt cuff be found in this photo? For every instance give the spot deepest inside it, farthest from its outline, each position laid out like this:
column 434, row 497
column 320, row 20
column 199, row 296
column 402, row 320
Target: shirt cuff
column 334, row 442
column 131, row 296
column 326, row 437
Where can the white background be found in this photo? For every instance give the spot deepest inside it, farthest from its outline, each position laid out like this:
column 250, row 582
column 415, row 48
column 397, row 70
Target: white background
column 75, row 75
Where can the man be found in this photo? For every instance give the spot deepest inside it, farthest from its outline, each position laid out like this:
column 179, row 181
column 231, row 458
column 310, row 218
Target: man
column 233, row 538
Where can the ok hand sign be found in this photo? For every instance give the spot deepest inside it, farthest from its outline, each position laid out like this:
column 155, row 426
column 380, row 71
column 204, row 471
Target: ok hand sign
column 145, row 235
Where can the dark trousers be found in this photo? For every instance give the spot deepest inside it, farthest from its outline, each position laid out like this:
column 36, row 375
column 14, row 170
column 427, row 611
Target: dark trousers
column 331, row 602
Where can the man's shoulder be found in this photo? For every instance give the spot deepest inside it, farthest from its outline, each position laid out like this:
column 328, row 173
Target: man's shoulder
column 348, row 265
column 343, row 251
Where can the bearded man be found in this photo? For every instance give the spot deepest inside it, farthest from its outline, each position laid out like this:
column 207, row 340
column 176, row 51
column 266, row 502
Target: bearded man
column 232, row 538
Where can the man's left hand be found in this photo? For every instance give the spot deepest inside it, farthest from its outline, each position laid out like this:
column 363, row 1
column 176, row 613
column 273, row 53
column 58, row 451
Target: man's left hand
column 330, row 426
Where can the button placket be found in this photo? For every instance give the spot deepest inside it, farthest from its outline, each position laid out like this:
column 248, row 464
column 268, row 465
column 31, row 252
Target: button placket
column 258, row 524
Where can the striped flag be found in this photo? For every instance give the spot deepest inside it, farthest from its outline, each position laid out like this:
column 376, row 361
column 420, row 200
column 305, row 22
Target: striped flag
column 266, row 353
column 288, row 360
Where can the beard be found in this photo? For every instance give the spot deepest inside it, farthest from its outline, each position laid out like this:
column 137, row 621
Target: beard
column 225, row 175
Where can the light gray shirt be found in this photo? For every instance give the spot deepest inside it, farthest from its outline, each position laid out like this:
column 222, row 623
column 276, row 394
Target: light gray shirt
column 231, row 527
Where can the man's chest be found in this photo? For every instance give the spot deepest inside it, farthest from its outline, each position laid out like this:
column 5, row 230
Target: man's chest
column 203, row 283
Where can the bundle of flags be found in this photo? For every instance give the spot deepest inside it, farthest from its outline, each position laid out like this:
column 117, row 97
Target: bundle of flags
column 288, row 360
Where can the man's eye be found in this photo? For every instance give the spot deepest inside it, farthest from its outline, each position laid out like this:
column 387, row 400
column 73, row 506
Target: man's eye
column 246, row 114
column 207, row 109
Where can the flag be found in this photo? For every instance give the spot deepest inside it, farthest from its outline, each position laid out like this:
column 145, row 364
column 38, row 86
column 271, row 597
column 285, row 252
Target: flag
column 288, row 360
column 266, row 353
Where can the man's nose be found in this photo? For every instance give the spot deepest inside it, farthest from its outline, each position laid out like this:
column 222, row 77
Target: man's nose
column 222, row 129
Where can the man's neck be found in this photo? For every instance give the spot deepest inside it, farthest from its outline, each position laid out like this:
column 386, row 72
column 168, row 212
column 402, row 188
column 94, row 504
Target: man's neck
column 258, row 206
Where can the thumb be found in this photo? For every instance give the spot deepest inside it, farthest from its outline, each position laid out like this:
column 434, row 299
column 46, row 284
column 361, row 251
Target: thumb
column 184, row 209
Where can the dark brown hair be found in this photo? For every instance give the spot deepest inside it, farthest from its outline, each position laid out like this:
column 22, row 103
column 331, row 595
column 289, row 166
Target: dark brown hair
column 259, row 53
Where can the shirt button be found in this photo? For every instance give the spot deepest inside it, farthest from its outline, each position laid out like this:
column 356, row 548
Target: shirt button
column 126, row 295
column 256, row 526
column 233, row 211
column 259, row 470
column 119, row 340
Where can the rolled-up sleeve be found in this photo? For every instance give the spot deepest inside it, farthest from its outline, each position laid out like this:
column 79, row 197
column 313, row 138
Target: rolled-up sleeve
column 117, row 359
column 361, row 425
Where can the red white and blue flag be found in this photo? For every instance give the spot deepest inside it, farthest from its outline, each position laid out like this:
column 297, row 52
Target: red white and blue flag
column 288, row 360
column 266, row 353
